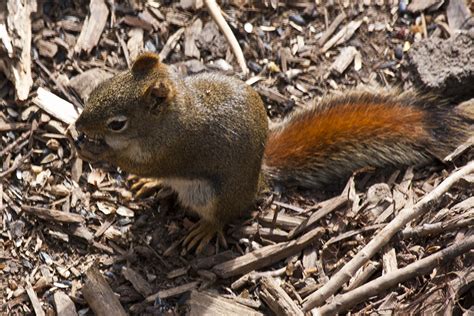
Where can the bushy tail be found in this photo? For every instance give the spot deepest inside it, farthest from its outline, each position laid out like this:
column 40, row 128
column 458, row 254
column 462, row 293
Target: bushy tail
column 344, row 133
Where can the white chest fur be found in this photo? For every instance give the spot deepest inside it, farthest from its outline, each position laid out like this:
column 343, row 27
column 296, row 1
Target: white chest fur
column 196, row 194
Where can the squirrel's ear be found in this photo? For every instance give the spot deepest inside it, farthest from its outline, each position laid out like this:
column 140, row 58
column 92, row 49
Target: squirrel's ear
column 145, row 62
column 161, row 90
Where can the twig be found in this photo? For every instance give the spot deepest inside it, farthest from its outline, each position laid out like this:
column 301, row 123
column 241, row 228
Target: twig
column 171, row 43
column 216, row 14
column 436, row 228
column 345, row 301
column 19, row 160
column 423, row 25
column 265, row 256
column 53, row 215
column 255, row 276
column 383, row 237
column 277, row 299
column 178, row 290
column 34, row 300
column 327, row 207
column 9, row 147
column 330, row 30
column 362, row 275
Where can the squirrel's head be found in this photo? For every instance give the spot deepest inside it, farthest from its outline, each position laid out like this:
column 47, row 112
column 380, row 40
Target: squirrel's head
column 116, row 120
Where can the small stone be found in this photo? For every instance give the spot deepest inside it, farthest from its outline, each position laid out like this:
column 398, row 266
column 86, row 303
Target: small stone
column 298, row 19
column 254, row 66
column 398, row 51
column 248, row 27
column 402, row 6
column 125, row 211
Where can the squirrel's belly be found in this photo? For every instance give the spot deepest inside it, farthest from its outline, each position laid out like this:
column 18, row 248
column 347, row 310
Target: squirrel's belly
column 196, row 194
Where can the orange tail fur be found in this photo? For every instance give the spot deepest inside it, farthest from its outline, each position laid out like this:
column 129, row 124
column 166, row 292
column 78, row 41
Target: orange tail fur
column 360, row 129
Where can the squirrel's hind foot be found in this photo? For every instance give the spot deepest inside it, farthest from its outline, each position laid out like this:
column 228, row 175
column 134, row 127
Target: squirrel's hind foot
column 201, row 234
column 144, row 187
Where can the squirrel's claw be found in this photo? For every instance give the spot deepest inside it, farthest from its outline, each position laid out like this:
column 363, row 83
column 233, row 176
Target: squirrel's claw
column 145, row 186
column 201, row 234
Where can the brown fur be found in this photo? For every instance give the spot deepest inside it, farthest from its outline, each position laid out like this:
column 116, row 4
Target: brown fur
column 359, row 129
column 203, row 135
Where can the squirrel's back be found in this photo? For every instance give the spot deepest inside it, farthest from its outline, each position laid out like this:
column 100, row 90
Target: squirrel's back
column 344, row 133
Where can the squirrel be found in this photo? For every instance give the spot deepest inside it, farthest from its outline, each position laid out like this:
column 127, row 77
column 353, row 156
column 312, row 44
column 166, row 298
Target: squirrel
column 206, row 136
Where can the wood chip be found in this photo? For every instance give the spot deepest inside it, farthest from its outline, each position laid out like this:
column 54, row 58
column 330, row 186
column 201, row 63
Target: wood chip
column 265, row 256
column 284, row 221
column 138, row 282
column 457, row 12
column 342, row 36
column 34, row 300
column 6, row 127
column 46, row 48
column 171, row 43
column 190, row 36
column 100, row 297
column 87, row 81
column 416, row 6
column 206, row 303
column 56, row 106
column 175, row 291
column 93, row 26
column 345, row 58
column 277, row 299
column 326, row 208
column 135, row 42
column 18, row 69
column 64, row 305
column 332, row 28
column 209, row 262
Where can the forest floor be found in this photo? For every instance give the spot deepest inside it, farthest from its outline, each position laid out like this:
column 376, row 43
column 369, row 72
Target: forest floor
column 65, row 225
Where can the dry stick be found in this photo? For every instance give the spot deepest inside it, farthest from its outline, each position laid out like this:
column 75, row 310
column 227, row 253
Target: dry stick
column 328, row 207
column 277, row 299
column 436, row 228
column 17, row 163
column 363, row 276
column 383, row 237
column 330, row 30
column 34, row 300
column 255, row 276
column 53, row 215
column 15, row 143
column 345, row 301
column 216, row 14
column 266, row 256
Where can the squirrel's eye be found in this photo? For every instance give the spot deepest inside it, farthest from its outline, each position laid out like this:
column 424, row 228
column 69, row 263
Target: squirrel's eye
column 117, row 124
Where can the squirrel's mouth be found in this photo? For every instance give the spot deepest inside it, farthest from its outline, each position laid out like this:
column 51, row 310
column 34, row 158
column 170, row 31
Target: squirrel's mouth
column 90, row 148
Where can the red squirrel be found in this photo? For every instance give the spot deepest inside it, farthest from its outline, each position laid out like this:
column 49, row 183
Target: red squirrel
column 206, row 136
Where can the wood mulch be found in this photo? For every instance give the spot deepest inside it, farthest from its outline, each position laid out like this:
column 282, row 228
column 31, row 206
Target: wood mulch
column 75, row 241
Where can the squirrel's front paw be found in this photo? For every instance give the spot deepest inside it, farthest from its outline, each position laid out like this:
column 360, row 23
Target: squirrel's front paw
column 145, row 187
column 201, row 234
